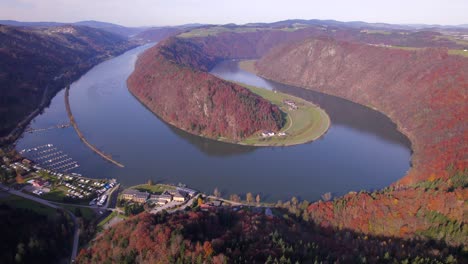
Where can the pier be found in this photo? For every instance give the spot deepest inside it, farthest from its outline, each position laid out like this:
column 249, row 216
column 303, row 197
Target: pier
column 81, row 136
column 32, row 130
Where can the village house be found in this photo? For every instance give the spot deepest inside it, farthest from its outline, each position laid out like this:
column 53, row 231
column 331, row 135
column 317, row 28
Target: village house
column 268, row 134
column 160, row 199
column 292, row 105
column 178, row 196
column 39, row 183
column 190, row 192
column 135, row 196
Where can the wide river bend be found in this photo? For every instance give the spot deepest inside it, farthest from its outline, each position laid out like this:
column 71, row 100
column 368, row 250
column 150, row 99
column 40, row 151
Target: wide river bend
column 361, row 150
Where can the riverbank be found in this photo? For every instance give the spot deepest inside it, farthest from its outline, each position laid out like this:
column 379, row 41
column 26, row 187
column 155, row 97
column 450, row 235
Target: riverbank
column 81, row 136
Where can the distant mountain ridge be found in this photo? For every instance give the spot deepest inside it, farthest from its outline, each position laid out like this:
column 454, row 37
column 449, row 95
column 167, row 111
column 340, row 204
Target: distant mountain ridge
column 109, row 27
column 133, row 31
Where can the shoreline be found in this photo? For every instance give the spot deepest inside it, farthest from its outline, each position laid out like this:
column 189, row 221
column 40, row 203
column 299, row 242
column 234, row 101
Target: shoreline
column 10, row 139
column 324, row 116
column 249, row 66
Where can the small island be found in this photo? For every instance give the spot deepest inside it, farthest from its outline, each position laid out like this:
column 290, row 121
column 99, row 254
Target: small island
column 305, row 121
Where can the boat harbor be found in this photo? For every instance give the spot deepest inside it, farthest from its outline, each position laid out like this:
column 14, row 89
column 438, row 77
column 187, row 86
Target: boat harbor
column 50, row 157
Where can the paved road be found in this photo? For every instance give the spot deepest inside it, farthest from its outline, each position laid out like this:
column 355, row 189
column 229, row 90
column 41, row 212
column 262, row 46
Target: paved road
column 187, row 204
column 76, row 237
column 227, row 201
column 29, row 197
column 181, row 207
column 158, row 209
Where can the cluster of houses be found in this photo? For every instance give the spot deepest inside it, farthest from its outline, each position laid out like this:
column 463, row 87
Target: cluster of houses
column 292, row 105
column 267, row 134
column 178, row 195
column 73, row 185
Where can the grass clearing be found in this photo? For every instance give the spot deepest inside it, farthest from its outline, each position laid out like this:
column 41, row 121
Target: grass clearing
column 305, row 124
column 215, row 30
column 58, row 195
column 55, row 195
column 376, row 31
column 22, row 203
column 458, row 52
column 107, row 219
column 87, row 213
column 405, row 48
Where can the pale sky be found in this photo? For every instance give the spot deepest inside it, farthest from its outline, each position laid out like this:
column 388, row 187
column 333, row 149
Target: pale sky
column 176, row 12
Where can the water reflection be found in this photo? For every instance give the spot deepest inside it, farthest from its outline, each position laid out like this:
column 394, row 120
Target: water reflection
column 212, row 147
column 341, row 111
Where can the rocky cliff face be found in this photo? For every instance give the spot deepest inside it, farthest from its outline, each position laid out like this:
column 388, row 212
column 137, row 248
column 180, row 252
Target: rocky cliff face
column 424, row 92
column 171, row 80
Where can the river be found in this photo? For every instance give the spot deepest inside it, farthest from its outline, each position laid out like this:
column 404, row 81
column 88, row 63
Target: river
column 361, row 150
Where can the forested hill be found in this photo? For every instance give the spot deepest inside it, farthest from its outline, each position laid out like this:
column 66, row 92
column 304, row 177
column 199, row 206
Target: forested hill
column 35, row 63
column 171, row 80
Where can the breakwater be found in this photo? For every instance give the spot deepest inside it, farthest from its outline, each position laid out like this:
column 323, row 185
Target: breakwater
column 80, row 134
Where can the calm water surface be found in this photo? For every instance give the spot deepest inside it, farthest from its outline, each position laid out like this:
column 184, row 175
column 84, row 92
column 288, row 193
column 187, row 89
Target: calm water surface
column 361, row 150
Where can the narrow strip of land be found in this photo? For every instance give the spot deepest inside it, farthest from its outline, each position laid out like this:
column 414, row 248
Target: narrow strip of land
column 81, row 136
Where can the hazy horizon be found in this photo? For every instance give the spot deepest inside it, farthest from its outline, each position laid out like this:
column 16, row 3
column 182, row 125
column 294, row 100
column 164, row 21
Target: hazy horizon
column 178, row 12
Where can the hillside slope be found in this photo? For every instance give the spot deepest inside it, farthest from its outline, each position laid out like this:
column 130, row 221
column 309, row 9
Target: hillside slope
column 157, row 34
column 424, row 92
column 37, row 62
column 172, row 81
column 225, row 236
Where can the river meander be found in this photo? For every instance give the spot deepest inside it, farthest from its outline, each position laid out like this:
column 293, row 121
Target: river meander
column 361, row 150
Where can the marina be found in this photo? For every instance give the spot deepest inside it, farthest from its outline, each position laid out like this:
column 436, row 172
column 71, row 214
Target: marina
column 50, row 157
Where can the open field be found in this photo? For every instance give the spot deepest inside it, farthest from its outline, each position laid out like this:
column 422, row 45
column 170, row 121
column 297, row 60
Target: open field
column 306, row 123
column 110, row 218
column 19, row 202
column 56, row 195
column 86, row 212
column 458, row 52
column 213, row 31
